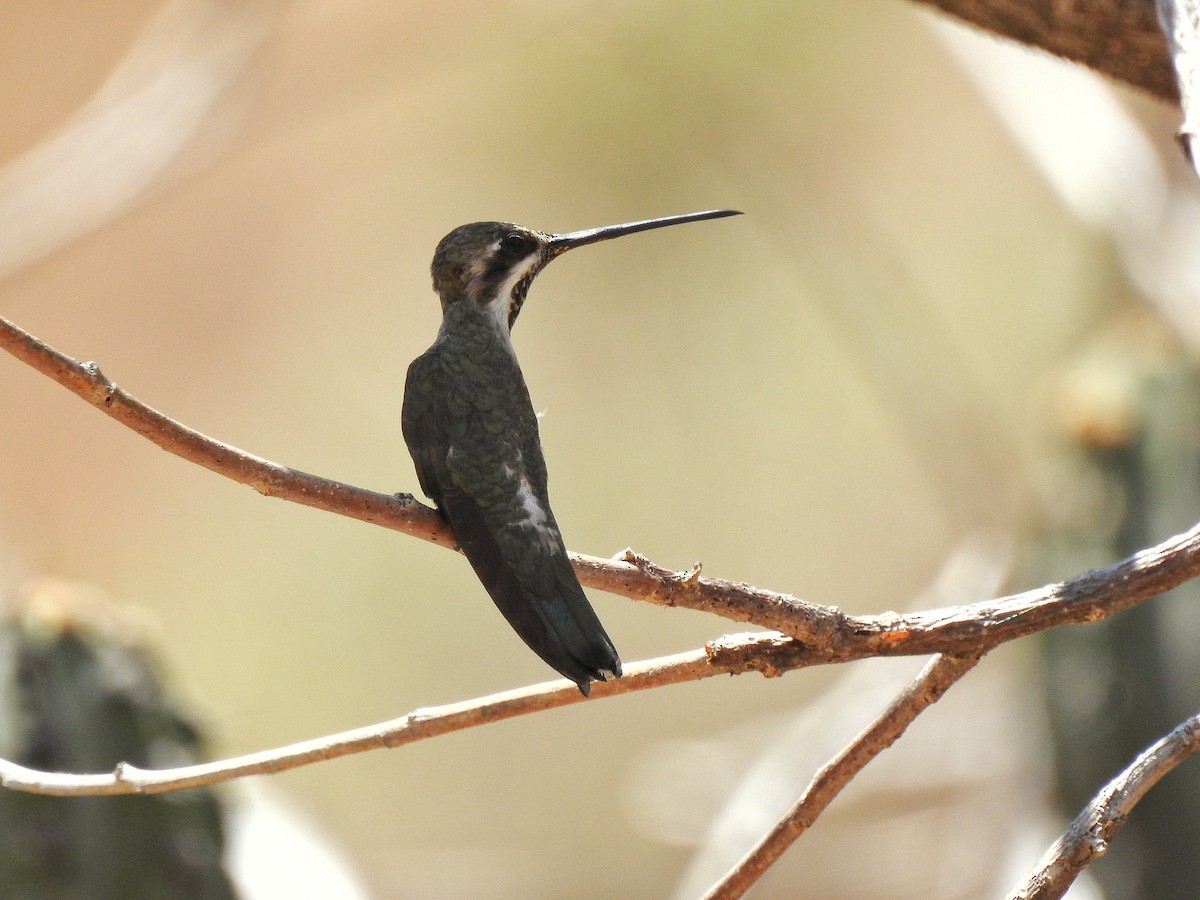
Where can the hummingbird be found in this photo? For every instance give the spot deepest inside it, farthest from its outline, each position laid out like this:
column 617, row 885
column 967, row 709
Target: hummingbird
column 473, row 435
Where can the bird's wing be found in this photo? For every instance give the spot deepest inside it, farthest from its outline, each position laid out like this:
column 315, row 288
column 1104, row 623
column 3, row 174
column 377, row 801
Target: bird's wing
column 424, row 430
column 483, row 467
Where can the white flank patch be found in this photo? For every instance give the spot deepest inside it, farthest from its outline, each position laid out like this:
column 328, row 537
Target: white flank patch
column 533, row 509
column 535, row 514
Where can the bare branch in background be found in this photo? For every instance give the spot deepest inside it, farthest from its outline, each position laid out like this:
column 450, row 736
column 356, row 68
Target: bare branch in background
column 935, row 679
column 1118, row 38
column 174, row 79
column 1089, row 835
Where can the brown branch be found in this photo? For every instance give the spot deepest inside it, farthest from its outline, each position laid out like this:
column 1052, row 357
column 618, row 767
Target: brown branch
column 1118, row 38
column 826, row 633
column 271, row 479
column 767, row 653
column 1088, row 837
column 935, row 679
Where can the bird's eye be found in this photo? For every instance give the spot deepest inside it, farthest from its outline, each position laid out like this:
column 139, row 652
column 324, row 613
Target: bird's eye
column 514, row 243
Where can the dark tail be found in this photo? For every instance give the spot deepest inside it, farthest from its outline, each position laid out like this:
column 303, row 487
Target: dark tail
column 554, row 618
column 531, row 581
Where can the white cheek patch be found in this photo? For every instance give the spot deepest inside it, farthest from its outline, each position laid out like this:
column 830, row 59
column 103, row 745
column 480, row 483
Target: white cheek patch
column 499, row 307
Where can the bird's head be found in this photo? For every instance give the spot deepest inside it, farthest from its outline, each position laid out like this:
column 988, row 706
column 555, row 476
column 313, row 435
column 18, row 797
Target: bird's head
column 492, row 264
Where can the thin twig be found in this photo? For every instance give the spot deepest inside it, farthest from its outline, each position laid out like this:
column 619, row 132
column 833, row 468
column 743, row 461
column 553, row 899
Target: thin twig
column 1088, row 837
column 770, row 654
column 928, row 687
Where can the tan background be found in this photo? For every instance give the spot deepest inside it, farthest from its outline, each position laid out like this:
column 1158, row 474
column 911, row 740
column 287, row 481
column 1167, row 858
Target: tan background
column 823, row 396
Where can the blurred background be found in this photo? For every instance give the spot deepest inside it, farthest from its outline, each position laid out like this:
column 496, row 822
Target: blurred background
column 915, row 372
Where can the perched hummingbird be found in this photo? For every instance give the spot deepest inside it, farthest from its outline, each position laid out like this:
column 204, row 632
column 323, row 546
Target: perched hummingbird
column 473, row 435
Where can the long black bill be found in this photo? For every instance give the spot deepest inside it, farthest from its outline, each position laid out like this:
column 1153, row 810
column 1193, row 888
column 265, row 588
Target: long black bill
column 561, row 243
